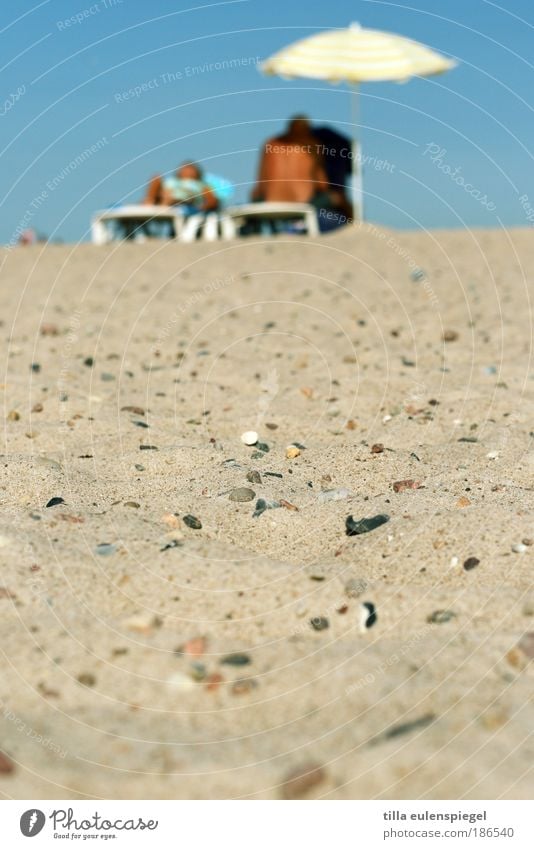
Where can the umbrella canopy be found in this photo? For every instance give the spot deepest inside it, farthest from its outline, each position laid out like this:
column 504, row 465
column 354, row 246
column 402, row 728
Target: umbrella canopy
column 356, row 55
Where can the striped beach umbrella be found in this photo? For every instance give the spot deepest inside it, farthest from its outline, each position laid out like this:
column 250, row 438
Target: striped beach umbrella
column 357, row 55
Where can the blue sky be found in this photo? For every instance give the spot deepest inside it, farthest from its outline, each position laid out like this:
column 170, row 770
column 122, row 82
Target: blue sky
column 63, row 87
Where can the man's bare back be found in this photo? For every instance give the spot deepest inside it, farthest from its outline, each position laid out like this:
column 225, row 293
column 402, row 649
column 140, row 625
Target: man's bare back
column 290, row 167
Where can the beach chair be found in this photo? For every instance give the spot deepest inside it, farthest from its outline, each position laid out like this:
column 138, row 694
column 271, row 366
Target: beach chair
column 268, row 215
column 134, row 221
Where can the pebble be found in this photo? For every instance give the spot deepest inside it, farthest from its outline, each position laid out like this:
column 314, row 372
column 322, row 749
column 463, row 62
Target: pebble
column 13, row 416
column 363, row 526
column 192, row 522
column 404, row 728
column 368, row 615
column 377, row 448
column 213, row 681
column 242, row 493
column 288, row 505
column 250, row 437
column 6, row 764
column 401, row 486
column 105, row 549
column 170, row 519
column 333, row 495
column 195, row 647
column 319, row 623
column 262, row 505
column 471, row 563
column 198, row 671
column 87, row 679
column 492, row 455
column 417, row 275
column 450, row 335
column 49, row 329
column 454, row 562
column 301, row 780
column 526, row 644
column 180, row 681
column 55, row 501
column 172, row 543
column 130, row 408
column 519, row 548
column 253, row 477
column 236, row 659
column 292, row 452
column 439, row 617
column 243, row 686
column 143, row 623
column 355, row 587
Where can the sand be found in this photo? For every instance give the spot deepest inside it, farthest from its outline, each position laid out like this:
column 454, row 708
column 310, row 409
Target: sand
column 112, row 683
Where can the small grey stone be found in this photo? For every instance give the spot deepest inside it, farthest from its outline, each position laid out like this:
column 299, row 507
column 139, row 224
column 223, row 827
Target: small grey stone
column 355, row 587
column 439, row 617
column 262, row 505
column 253, row 477
column 242, row 493
column 105, row 549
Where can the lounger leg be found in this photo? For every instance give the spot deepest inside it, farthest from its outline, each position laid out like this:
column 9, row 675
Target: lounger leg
column 228, row 228
column 191, row 228
column 210, row 231
column 99, row 233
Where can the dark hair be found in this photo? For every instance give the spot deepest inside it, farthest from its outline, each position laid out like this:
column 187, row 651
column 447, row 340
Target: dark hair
column 190, row 163
column 297, row 121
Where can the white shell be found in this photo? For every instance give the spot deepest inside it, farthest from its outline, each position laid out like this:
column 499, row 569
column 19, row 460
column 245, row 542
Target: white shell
column 250, row 437
column 519, row 548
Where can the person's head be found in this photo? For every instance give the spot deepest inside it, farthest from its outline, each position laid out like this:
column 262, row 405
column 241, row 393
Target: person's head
column 299, row 126
column 189, row 171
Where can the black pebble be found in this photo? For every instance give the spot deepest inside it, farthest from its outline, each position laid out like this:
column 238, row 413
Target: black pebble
column 319, row 623
column 363, row 526
column 371, row 609
column 55, row 501
column 192, row 522
column 471, row 563
column 236, row 659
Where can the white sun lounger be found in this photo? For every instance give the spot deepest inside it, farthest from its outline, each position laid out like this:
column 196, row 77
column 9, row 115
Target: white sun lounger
column 134, row 215
column 234, row 217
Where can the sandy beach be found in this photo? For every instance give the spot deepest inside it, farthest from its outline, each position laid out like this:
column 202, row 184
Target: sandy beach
column 235, row 655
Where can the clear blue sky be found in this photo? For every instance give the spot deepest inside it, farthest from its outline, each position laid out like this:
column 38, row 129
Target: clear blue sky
column 62, row 87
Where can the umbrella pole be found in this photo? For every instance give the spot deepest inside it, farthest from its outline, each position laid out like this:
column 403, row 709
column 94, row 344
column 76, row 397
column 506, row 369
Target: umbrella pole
column 357, row 161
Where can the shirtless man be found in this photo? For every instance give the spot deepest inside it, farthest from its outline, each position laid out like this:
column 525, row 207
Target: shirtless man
column 291, row 169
